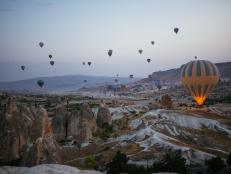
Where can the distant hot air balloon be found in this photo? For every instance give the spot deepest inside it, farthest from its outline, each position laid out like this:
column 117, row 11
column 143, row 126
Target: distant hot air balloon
column 195, row 57
column 117, row 75
column 110, row 52
column 148, row 60
column 140, row 51
column 23, row 67
column 199, row 77
column 41, row 44
column 116, row 80
column 40, row 83
column 131, row 76
column 158, row 84
column 84, row 63
column 85, row 81
column 89, row 63
column 52, row 62
column 176, row 30
column 152, row 42
column 50, row 56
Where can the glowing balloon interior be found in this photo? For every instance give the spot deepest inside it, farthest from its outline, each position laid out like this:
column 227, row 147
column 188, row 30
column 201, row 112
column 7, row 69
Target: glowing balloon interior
column 199, row 77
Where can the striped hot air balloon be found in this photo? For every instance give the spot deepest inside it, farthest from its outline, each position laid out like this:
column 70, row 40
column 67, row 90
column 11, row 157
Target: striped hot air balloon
column 199, row 77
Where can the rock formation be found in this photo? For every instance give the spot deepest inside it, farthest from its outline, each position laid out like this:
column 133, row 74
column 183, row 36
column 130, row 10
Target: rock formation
column 26, row 136
column 83, row 124
column 80, row 124
column 103, row 116
column 46, row 169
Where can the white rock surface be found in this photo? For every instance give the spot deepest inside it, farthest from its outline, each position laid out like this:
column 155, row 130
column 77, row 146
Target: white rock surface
column 45, row 169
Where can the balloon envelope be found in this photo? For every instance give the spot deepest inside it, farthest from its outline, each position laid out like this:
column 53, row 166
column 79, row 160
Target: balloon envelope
column 158, row 84
column 40, row 83
column 89, row 63
column 176, row 30
column 148, row 60
column 41, row 44
column 52, row 63
column 199, row 77
column 50, row 56
column 140, row 51
column 152, row 42
column 23, row 67
column 109, row 52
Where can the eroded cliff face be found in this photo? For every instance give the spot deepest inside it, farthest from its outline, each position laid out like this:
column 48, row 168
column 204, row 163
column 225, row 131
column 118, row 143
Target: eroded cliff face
column 103, row 115
column 83, row 124
column 27, row 137
column 79, row 124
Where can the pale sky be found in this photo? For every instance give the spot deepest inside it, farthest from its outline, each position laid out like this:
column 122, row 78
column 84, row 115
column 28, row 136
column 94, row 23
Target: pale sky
column 83, row 30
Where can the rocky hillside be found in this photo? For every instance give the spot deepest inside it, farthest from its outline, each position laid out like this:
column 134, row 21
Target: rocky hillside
column 173, row 75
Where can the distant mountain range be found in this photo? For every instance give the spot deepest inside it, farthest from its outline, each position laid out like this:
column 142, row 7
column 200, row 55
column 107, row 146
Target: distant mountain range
column 62, row 83
column 75, row 82
column 173, row 75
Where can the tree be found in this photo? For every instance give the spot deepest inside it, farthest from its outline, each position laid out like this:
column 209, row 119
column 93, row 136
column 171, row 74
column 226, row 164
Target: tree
column 214, row 164
column 228, row 162
column 172, row 162
column 166, row 101
column 90, row 163
column 118, row 163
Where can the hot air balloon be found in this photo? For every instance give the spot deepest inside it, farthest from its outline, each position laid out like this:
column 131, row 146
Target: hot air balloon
column 176, row 30
column 23, row 67
column 131, row 76
column 140, row 51
column 50, row 56
column 148, row 60
column 41, row 44
column 152, row 42
column 117, row 75
column 116, row 80
column 109, row 52
column 52, row 63
column 199, row 77
column 89, row 63
column 40, row 83
column 85, row 81
column 84, row 63
column 158, row 84
column 195, row 57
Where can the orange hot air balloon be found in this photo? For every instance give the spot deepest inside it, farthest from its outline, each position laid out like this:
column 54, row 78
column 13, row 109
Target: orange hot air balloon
column 199, row 77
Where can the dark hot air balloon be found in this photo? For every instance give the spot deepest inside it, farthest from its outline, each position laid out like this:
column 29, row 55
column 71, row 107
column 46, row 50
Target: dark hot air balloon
column 158, row 84
column 116, row 80
column 23, row 67
column 176, row 30
column 152, row 42
column 140, row 51
column 148, row 60
column 41, row 44
column 50, row 56
column 85, row 81
column 52, row 62
column 131, row 76
column 84, row 63
column 110, row 52
column 89, row 63
column 199, row 77
column 40, row 83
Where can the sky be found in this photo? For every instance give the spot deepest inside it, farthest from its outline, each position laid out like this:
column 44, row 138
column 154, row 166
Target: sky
column 74, row 31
